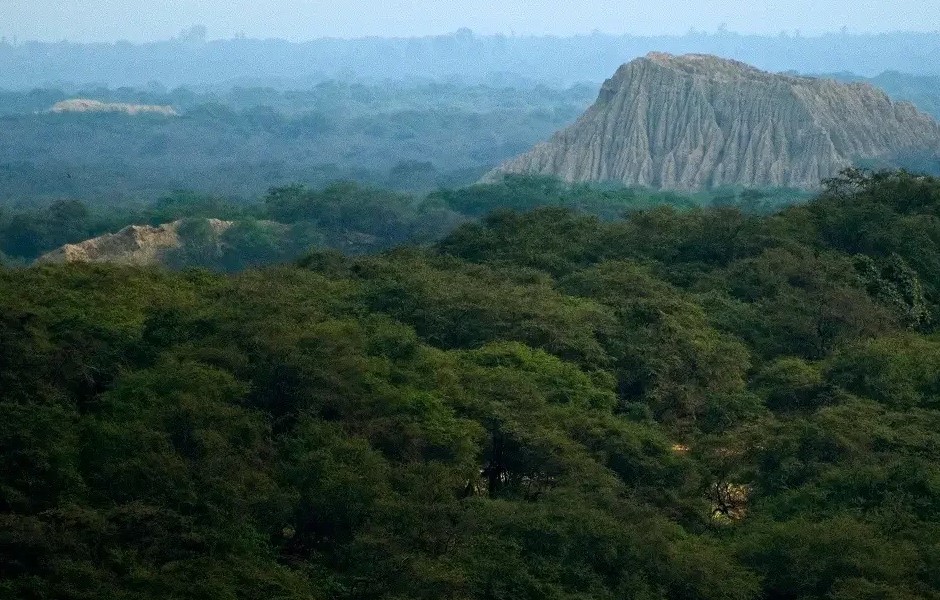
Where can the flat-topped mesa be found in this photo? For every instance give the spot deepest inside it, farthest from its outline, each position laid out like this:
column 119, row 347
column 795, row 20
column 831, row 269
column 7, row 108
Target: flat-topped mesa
column 699, row 121
column 705, row 64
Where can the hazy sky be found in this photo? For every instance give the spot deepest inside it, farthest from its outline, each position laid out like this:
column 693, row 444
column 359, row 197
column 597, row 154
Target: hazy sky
column 136, row 20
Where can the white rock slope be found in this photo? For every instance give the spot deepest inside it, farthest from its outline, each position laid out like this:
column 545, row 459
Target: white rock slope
column 696, row 121
column 84, row 105
column 133, row 245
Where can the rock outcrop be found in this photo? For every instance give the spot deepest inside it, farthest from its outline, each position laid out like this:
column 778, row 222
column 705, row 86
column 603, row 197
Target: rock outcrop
column 83, row 105
column 133, row 245
column 696, row 121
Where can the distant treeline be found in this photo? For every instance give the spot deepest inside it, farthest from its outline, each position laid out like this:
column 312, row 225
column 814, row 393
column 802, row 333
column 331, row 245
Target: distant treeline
column 190, row 59
column 337, row 97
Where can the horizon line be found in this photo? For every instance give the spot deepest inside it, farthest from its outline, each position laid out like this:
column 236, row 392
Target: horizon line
column 199, row 33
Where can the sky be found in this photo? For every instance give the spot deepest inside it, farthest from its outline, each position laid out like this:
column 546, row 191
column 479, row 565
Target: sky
column 111, row 20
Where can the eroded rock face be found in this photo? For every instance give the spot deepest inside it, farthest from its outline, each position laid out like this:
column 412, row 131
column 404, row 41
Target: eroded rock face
column 133, row 245
column 696, row 121
column 83, row 105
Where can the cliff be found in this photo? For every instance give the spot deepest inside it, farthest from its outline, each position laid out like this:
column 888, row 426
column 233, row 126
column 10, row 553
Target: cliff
column 697, row 121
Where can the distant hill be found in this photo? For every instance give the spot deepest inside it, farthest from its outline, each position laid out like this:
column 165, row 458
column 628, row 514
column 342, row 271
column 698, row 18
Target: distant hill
column 698, row 121
column 133, row 245
column 84, row 105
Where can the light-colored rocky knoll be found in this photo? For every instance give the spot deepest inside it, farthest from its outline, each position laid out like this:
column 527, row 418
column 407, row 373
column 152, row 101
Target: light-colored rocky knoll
column 696, row 121
column 133, row 245
column 84, row 105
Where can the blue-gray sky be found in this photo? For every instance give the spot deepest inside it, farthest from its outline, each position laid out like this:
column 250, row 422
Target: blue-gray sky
column 137, row 20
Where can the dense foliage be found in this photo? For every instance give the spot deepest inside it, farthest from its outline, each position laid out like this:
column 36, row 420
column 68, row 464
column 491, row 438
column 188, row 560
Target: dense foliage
column 676, row 404
column 291, row 220
column 241, row 141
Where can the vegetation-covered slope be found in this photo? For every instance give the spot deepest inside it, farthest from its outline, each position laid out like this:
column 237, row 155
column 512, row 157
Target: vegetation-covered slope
column 697, row 404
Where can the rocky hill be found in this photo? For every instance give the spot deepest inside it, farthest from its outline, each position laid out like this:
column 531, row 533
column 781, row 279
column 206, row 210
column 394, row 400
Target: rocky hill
column 133, row 245
column 698, row 121
column 83, row 105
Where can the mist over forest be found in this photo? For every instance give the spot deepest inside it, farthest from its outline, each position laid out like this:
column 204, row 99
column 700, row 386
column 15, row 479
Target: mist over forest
column 193, row 60
column 411, row 115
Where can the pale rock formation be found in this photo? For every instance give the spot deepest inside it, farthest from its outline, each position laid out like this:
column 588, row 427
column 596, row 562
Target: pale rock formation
column 133, row 245
column 83, row 105
column 696, row 121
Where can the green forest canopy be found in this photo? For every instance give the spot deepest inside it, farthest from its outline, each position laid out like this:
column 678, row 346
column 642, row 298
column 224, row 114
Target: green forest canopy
column 291, row 220
column 674, row 404
column 241, row 141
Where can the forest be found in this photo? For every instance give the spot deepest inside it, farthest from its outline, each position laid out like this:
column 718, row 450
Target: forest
column 289, row 221
column 193, row 58
column 672, row 402
column 239, row 141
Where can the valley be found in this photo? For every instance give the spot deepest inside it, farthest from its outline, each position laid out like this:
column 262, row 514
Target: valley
column 445, row 317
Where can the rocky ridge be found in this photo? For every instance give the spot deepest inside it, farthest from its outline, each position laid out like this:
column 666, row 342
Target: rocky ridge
column 133, row 245
column 84, row 105
column 697, row 121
